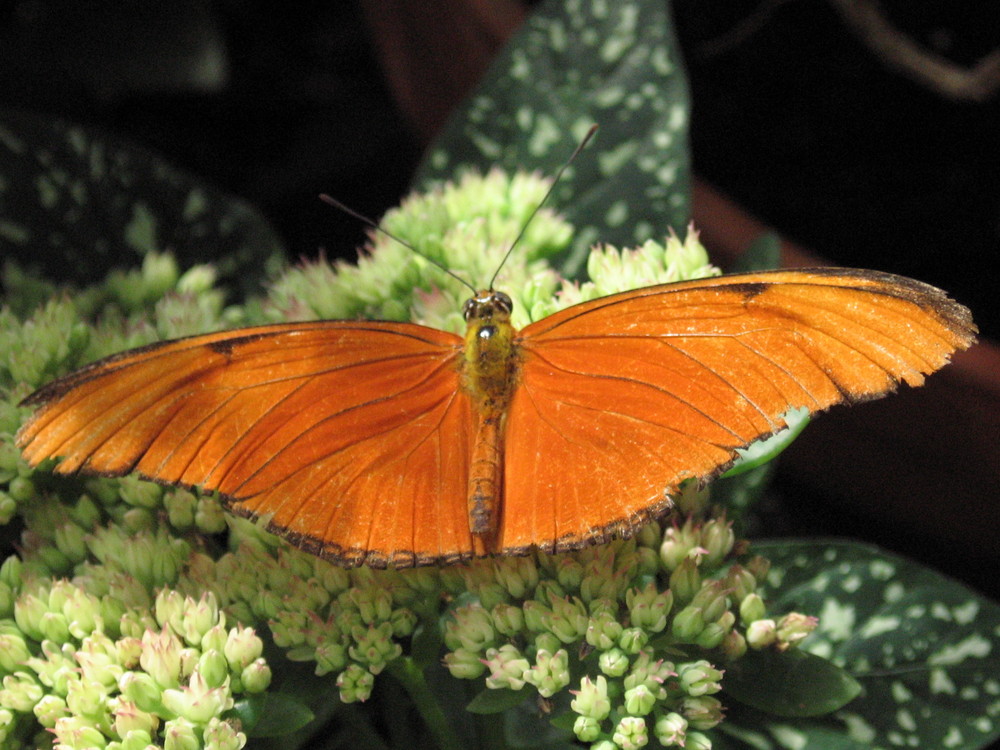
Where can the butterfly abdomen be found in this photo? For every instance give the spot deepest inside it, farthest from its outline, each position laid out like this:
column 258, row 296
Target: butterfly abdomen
column 489, row 376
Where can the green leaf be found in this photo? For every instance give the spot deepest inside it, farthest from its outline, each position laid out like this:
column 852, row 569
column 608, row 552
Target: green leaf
column 922, row 646
column 271, row 714
column 572, row 64
column 78, row 202
column 495, row 701
column 765, row 450
column 794, row 683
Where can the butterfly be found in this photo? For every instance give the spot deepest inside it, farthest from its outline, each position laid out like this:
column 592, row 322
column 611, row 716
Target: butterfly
column 395, row 444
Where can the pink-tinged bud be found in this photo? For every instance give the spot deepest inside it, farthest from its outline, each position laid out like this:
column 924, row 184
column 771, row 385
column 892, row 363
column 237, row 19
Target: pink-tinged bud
column 793, row 628
column 670, row 730
column 591, row 700
column 639, row 700
column 761, row 634
column 506, row 666
column 752, row 608
column 631, row 733
column 550, row 674
column 464, row 664
column 685, row 581
column 355, row 684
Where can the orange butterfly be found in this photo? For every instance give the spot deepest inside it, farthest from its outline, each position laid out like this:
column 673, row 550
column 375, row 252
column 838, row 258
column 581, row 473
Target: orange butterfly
column 386, row 443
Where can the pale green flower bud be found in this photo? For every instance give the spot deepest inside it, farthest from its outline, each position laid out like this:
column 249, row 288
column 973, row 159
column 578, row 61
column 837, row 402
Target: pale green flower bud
column 702, row 711
column 550, row 674
column 20, row 692
column 472, row 629
column 717, row 539
column 21, row 490
column 215, row 638
column 161, row 657
column 8, row 508
column 507, row 667
column 647, row 672
column 713, row 599
column 648, row 608
column 330, row 657
column 199, row 617
column 256, row 676
column 633, row 640
column 209, row 516
column 508, row 619
column 464, row 664
column 631, row 733
column 127, row 652
column 374, row 604
column 355, row 684
column 6, row 601
column 129, row 718
column 535, row 616
column 28, row 613
column 569, row 573
column 761, row 634
column 547, row 642
column 13, row 648
column 670, row 730
column 142, row 690
column 613, row 662
column 568, row 619
column 242, row 647
column 591, row 700
column 213, row 667
column 685, row 581
column 98, row 660
column 136, row 739
column 793, row 628
column 54, row 627
column 603, row 630
column 180, row 505
column 678, row 544
column 404, row 622
column 197, row 702
column 688, row 624
column 699, row 678
column 220, row 735
column 48, row 711
column 740, row 582
column 733, row 645
column 639, row 700
column 586, row 729
column 752, row 608
column 711, row 636
column 69, row 539
column 180, row 734
column 76, row 733
column 698, row 741
column 374, row 646
column 140, row 493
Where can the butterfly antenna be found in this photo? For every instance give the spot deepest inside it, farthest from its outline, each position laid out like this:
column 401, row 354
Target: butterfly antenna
column 555, row 181
column 365, row 220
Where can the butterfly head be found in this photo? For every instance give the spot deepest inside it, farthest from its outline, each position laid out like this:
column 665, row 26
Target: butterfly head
column 488, row 305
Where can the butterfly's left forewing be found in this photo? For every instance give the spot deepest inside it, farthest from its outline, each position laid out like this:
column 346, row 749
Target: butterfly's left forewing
column 622, row 398
column 352, row 438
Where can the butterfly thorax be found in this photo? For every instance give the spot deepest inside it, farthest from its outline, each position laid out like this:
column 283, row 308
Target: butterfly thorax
column 489, row 373
column 489, row 365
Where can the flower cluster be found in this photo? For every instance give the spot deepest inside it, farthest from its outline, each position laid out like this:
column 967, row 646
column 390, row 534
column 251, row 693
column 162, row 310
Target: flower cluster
column 137, row 617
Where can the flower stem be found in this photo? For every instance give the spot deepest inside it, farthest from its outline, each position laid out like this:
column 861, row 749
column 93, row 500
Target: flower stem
column 411, row 677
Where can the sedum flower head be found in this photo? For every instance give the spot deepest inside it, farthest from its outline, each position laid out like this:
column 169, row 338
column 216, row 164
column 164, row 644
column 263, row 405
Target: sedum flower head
column 138, row 616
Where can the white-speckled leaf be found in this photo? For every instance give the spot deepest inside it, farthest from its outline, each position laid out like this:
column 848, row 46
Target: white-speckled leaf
column 575, row 63
column 923, row 646
column 75, row 202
